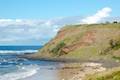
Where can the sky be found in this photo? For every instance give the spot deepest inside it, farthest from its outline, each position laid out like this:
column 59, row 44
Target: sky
column 46, row 9
column 35, row 22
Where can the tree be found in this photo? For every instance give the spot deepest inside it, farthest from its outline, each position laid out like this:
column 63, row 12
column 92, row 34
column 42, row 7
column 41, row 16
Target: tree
column 115, row 22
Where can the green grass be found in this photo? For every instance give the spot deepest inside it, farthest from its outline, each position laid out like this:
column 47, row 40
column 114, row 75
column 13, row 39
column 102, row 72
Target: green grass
column 116, row 58
column 83, row 53
column 113, row 74
column 72, row 34
column 57, row 49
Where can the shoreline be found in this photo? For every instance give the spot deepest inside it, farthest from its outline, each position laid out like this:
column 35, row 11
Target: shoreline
column 106, row 63
column 72, row 69
column 75, row 70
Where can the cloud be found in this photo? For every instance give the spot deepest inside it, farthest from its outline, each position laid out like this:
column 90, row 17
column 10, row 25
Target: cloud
column 101, row 14
column 36, row 32
column 7, row 40
column 28, row 32
column 16, row 22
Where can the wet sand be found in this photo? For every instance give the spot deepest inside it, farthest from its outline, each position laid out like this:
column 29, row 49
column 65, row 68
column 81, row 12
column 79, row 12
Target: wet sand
column 43, row 74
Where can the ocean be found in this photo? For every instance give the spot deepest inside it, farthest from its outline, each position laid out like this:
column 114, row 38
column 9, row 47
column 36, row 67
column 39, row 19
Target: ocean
column 14, row 68
column 18, row 49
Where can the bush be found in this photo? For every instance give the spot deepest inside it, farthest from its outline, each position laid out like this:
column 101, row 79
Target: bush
column 114, row 44
column 57, row 49
column 115, row 22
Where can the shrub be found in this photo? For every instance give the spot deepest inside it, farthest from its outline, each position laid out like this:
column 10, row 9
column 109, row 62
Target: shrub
column 114, row 44
column 57, row 49
column 115, row 22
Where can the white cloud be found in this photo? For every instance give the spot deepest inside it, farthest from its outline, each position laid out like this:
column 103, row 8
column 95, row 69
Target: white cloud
column 15, row 31
column 101, row 14
column 16, row 22
column 6, row 39
column 21, row 31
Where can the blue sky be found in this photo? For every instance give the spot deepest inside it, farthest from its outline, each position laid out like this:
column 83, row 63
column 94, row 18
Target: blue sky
column 35, row 22
column 44, row 9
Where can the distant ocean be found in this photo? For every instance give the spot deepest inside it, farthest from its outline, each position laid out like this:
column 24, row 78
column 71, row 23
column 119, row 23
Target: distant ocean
column 18, row 49
column 14, row 68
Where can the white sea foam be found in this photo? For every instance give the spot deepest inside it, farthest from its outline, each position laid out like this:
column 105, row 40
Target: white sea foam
column 23, row 72
column 17, row 52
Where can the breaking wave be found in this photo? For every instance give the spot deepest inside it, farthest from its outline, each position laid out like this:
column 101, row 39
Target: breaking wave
column 17, row 51
column 21, row 73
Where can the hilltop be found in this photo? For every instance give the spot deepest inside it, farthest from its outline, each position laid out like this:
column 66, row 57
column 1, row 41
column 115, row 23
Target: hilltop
column 86, row 41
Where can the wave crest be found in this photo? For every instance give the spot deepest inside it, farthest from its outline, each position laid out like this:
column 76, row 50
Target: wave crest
column 23, row 72
column 17, row 52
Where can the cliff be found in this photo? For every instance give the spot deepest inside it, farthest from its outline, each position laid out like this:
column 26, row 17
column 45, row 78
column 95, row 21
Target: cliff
column 89, row 42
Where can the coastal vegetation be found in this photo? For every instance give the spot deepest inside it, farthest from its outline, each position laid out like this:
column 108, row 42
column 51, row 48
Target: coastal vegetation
column 113, row 74
column 87, row 41
column 57, row 50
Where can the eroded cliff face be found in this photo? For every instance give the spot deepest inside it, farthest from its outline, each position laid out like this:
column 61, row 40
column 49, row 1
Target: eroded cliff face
column 84, row 42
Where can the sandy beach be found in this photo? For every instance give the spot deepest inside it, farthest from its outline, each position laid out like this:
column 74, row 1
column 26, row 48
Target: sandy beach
column 67, row 71
column 75, row 71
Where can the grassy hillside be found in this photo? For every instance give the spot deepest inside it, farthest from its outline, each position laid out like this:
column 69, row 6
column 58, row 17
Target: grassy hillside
column 92, row 41
column 113, row 74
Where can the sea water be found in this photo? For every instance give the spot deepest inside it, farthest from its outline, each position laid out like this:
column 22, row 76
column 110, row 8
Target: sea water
column 14, row 68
